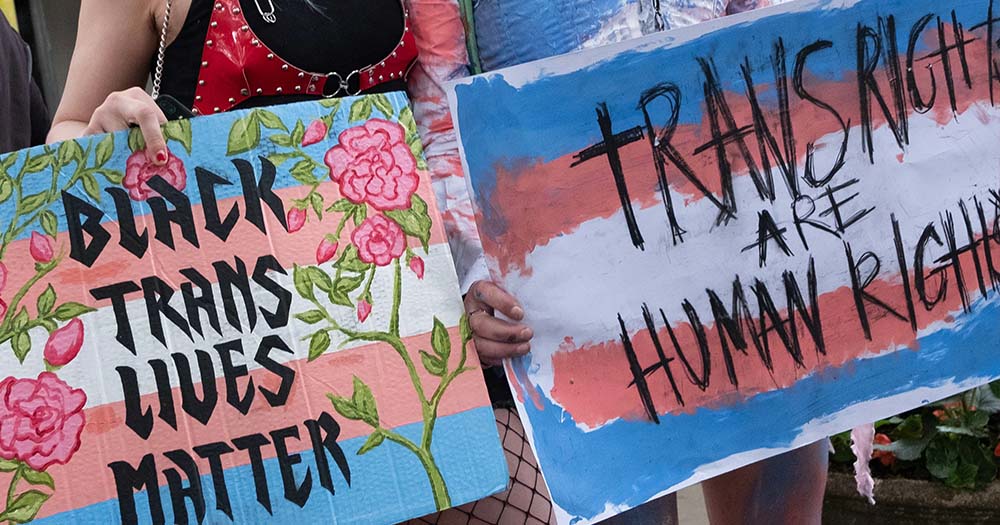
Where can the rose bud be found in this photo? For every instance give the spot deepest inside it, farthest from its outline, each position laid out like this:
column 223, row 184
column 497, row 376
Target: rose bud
column 364, row 310
column 296, row 219
column 314, row 133
column 417, row 265
column 64, row 343
column 41, row 247
column 326, row 250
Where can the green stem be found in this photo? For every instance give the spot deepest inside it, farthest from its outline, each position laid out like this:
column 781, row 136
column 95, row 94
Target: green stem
column 397, row 297
column 12, row 490
column 438, row 487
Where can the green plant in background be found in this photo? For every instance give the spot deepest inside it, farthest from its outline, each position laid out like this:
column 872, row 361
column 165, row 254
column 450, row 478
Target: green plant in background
column 955, row 441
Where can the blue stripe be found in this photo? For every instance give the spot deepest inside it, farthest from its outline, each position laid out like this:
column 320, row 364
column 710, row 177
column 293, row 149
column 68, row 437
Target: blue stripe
column 388, row 484
column 626, row 463
column 210, row 135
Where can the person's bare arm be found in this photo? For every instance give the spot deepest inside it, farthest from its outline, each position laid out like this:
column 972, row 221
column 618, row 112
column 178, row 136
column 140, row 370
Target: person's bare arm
column 115, row 41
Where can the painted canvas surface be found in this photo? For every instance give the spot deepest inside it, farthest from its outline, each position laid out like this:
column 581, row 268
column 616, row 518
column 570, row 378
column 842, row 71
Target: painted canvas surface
column 738, row 238
column 266, row 329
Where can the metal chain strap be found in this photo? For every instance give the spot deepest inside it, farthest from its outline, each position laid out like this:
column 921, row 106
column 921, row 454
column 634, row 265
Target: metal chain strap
column 158, row 72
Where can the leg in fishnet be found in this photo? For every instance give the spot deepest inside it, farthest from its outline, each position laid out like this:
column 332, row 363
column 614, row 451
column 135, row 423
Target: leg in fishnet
column 525, row 502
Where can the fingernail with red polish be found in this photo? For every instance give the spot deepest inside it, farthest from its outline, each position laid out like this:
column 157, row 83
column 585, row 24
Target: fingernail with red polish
column 161, row 156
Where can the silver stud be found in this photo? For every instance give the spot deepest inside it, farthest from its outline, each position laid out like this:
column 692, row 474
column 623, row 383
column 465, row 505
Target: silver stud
column 204, row 64
column 232, row 100
column 392, row 75
column 312, row 88
column 402, row 43
column 216, row 110
column 201, row 82
column 270, row 56
column 259, row 91
column 218, row 6
column 393, row 54
column 236, row 11
column 298, row 88
column 284, row 67
column 278, row 90
column 198, row 97
column 195, row 111
column 255, row 42
column 381, row 78
column 301, row 74
column 209, row 43
column 245, row 92
column 214, row 24
column 382, row 64
column 244, row 28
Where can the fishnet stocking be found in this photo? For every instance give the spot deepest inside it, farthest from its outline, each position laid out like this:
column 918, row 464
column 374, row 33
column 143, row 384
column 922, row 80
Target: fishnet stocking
column 525, row 502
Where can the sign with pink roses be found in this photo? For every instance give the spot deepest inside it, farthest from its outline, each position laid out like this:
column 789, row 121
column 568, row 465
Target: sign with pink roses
column 266, row 327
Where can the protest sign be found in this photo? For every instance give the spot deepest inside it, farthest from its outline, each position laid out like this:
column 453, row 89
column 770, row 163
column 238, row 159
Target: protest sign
column 738, row 238
column 267, row 328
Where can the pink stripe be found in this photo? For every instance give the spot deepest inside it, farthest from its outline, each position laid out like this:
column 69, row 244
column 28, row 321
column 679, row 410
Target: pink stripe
column 73, row 281
column 106, row 438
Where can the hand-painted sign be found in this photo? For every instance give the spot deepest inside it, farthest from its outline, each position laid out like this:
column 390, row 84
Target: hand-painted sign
column 266, row 328
column 738, row 238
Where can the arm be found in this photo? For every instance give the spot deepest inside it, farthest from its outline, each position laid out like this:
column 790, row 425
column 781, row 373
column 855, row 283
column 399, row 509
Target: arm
column 440, row 35
column 114, row 45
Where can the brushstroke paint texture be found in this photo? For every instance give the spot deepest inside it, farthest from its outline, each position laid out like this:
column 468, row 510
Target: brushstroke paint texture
column 556, row 237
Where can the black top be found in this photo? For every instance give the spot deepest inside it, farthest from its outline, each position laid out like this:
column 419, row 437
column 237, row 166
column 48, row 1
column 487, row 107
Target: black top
column 24, row 120
column 329, row 35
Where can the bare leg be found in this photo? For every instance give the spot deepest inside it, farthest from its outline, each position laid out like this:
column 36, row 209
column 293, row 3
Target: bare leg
column 784, row 490
column 662, row 511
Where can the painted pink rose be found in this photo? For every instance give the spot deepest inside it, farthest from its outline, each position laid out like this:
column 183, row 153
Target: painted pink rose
column 40, row 420
column 314, row 133
column 326, row 250
column 379, row 240
column 374, row 165
column 139, row 169
column 296, row 219
column 40, row 248
column 417, row 266
column 364, row 310
column 64, row 343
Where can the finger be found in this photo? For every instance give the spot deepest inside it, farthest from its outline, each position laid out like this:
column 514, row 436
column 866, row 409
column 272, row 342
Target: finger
column 474, row 306
column 489, row 327
column 149, row 117
column 495, row 351
column 497, row 298
column 105, row 120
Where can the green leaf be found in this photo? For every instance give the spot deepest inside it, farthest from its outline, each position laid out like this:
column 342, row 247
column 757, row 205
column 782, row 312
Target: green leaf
column 415, row 221
column 320, row 278
column 382, row 104
column 360, row 214
column 994, row 386
column 407, row 121
column 91, row 186
column 976, row 419
column 963, row 477
column 49, row 222
column 280, row 158
column 21, row 344
column 282, row 139
column 342, row 205
column 136, row 141
column 244, row 135
column 8, row 465
column 270, row 120
column 46, row 301
column 6, row 188
column 340, row 298
column 361, row 109
column 440, row 341
column 350, row 262
column 180, row 131
column 942, row 458
column 114, row 177
column 22, row 318
column 910, row 428
column 25, row 507
column 365, row 401
column 33, row 202
column 105, row 148
column 344, row 407
column 310, row 316
column 298, row 133
column 39, row 163
column 347, row 284
column 373, row 441
column 67, row 311
column 69, row 151
column 303, row 284
column 318, row 343
column 465, row 329
column 317, row 204
column 302, row 171
column 435, row 365
column 7, row 161
column 38, row 478
column 332, row 103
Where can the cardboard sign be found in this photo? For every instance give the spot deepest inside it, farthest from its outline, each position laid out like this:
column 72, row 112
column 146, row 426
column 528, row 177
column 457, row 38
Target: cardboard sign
column 267, row 328
column 738, row 238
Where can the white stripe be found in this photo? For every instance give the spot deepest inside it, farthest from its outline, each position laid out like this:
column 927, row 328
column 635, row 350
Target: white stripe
column 94, row 369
